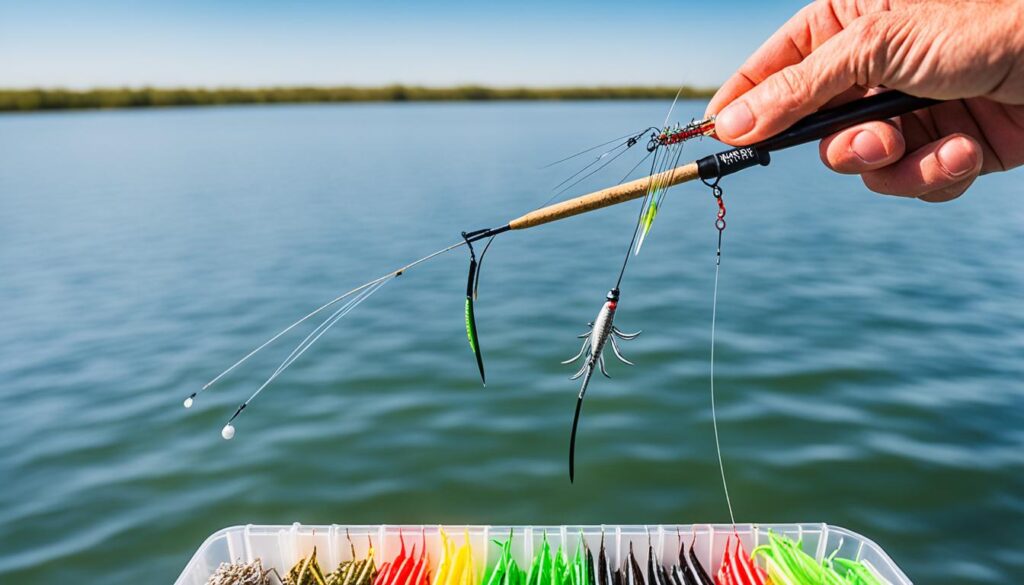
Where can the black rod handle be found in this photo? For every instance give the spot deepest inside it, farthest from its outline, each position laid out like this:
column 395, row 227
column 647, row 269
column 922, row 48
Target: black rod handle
column 816, row 126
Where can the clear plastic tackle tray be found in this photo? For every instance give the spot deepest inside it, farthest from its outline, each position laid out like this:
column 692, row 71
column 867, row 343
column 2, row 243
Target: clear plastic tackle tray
column 281, row 547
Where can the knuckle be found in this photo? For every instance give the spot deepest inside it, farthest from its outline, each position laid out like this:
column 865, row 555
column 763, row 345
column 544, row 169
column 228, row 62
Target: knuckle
column 792, row 84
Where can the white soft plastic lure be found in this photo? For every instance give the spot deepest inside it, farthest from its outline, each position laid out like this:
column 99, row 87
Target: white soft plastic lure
column 602, row 332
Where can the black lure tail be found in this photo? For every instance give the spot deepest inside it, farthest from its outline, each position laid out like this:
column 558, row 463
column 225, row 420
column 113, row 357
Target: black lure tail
column 604, row 571
column 632, row 573
column 701, row 575
column 576, row 422
column 656, row 574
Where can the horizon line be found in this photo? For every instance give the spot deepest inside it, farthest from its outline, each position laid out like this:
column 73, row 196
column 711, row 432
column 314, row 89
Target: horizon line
column 124, row 97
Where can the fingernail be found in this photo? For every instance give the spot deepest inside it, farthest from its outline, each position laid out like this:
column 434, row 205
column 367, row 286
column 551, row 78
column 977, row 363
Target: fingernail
column 735, row 120
column 868, row 147
column 957, row 156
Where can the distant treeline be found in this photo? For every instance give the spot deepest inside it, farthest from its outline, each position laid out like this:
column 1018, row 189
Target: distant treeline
column 23, row 100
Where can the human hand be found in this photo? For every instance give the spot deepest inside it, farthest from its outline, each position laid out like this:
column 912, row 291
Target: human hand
column 969, row 52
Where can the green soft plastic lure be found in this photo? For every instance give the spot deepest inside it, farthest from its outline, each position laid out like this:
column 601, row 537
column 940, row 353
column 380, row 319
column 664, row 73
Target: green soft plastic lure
column 788, row 564
column 472, row 285
column 506, row 571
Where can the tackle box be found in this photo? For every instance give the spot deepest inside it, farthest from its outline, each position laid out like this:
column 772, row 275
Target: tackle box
column 281, row 547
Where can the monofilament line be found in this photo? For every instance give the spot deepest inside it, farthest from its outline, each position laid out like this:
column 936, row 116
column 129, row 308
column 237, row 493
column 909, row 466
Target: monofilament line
column 714, row 414
column 318, row 310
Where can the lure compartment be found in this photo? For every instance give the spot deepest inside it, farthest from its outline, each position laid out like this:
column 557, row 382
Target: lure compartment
column 281, row 546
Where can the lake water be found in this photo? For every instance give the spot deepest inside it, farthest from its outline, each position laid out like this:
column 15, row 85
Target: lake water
column 871, row 356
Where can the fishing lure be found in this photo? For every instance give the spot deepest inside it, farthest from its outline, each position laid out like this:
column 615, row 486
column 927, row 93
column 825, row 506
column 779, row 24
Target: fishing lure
column 506, row 571
column 878, row 107
column 604, row 568
column 656, row 572
column 404, row 569
column 306, row 572
column 630, row 573
column 688, row 569
column 242, row 574
column 456, row 566
column 582, row 569
column 738, row 568
column 355, row 571
column 548, row 568
column 602, row 332
column 667, row 149
column 788, row 564
column 472, row 286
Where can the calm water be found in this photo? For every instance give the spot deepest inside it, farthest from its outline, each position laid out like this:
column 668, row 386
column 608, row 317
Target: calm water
column 871, row 349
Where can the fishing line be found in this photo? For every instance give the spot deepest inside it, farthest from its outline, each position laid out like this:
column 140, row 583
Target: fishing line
column 229, row 431
column 633, row 139
column 394, row 273
column 587, row 176
column 639, row 219
column 570, row 157
column 720, row 226
column 673, row 106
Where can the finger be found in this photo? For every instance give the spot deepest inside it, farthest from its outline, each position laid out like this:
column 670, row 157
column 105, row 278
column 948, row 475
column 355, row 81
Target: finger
column 800, row 36
column 853, row 57
column 863, row 148
column 939, row 171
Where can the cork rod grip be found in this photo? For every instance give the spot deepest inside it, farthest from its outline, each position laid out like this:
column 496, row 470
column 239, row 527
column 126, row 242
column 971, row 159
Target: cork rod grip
column 604, row 197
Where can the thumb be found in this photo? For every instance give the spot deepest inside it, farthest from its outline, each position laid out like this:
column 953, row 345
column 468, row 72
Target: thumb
column 855, row 56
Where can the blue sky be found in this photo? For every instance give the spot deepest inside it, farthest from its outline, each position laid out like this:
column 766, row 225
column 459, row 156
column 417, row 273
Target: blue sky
column 238, row 43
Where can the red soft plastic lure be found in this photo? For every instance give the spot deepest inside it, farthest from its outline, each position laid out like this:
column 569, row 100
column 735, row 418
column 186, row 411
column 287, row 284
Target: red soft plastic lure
column 738, row 567
column 405, row 569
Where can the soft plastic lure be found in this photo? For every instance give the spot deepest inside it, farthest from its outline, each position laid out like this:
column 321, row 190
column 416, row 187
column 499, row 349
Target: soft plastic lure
column 604, row 568
column 242, row 574
column 788, row 564
column 506, row 571
column 306, row 572
column 405, row 568
column 738, row 568
column 688, row 570
column 582, row 568
column 630, row 573
column 456, row 566
column 355, row 571
column 548, row 568
column 472, row 286
column 602, row 332
column 656, row 572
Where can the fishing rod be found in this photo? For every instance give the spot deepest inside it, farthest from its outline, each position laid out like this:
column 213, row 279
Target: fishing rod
column 713, row 167
column 709, row 169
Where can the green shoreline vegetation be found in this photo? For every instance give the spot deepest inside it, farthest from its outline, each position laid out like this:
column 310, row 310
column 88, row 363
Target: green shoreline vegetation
column 28, row 100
